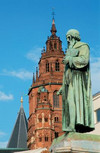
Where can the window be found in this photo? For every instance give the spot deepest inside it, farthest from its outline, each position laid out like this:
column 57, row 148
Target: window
column 45, row 98
column 40, row 139
column 50, row 46
column 56, row 134
column 40, row 119
column 98, row 115
column 38, row 97
column 57, row 66
column 55, row 99
column 56, row 119
column 46, row 119
column 47, row 67
column 46, row 138
column 55, row 45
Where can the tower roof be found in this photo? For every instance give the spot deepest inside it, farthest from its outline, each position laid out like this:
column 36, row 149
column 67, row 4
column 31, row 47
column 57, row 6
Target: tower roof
column 18, row 137
column 53, row 28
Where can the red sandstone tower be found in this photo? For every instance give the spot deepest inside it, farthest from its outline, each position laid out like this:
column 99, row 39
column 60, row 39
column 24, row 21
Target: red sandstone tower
column 45, row 107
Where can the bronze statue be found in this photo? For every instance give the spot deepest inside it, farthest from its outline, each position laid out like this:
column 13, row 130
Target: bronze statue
column 77, row 112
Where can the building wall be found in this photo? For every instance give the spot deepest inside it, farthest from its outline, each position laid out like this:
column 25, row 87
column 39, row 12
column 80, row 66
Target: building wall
column 96, row 102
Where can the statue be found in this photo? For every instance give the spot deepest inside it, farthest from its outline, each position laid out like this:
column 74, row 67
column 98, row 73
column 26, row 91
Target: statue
column 77, row 102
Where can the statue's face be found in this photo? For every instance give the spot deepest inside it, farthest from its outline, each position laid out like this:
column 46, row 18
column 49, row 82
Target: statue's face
column 70, row 40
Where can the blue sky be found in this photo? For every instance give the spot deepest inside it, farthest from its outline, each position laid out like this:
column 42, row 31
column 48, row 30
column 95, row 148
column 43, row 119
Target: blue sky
column 24, row 27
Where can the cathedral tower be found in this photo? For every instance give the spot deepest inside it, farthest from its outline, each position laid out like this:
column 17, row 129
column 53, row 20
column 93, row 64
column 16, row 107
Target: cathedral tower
column 45, row 107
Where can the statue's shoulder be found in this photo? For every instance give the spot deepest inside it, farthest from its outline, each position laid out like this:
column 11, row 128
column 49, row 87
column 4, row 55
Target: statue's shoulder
column 79, row 44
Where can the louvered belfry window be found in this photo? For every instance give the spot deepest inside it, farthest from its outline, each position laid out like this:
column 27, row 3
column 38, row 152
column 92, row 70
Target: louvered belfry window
column 57, row 66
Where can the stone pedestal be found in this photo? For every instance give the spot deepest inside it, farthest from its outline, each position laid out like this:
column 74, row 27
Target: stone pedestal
column 76, row 143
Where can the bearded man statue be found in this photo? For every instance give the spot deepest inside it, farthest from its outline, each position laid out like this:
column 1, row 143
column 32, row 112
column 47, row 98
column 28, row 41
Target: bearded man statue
column 77, row 102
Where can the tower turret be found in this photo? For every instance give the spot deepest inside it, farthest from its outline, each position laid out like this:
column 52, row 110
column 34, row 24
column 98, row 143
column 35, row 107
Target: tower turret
column 45, row 106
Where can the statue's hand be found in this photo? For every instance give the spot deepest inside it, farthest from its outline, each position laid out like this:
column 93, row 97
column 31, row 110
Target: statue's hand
column 60, row 91
column 72, row 52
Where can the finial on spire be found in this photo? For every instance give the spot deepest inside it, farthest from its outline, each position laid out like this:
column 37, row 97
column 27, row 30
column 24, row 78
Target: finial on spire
column 53, row 28
column 21, row 100
column 36, row 73
column 33, row 78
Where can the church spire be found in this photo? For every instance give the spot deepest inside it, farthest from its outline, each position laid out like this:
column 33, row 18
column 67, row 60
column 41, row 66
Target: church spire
column 18, row 137
column 53, row 28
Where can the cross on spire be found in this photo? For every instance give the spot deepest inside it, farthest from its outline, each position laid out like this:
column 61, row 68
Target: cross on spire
column 53, row 13
column 53, row 28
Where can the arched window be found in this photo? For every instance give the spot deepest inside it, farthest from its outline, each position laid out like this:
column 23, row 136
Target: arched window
column 40, row 118
column 57, row 66
column 40, row 137
column 47, row 67
column 56, row 119
column 46, row 138
column 55, row 99
column 55, row 45
column 56, row 134
column 50, row 46
column 45, row 98
column 46, row 118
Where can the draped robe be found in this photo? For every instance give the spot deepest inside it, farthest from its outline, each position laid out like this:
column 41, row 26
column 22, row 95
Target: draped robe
column 76, row 90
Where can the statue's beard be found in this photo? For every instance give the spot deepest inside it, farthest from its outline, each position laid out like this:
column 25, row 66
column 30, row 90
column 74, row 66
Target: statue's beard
column 68, row 44
column 71, row 43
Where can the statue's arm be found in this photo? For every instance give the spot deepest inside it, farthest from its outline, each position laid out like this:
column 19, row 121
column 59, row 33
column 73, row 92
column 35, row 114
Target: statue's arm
column 83, row 59
column 79, row 61
column 69, row 54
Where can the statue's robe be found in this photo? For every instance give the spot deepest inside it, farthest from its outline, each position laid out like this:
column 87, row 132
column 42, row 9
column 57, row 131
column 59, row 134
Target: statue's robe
column 76, row 91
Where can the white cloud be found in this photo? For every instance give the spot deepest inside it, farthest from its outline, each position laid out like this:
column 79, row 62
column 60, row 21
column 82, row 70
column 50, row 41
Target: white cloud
column 95, row 74
column 2, row 134
column 4, row 97
column 21, row 74
column 3, row 144
column 34, row 54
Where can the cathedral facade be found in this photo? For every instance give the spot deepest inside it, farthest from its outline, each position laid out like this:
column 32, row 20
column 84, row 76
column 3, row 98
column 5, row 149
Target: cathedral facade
column 45, row 106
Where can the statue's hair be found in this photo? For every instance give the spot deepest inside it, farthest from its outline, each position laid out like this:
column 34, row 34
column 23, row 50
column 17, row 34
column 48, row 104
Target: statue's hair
column 74, row 33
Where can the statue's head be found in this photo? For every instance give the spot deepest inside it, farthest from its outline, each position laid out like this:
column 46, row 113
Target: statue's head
column 73, row 33
column 72, row 36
